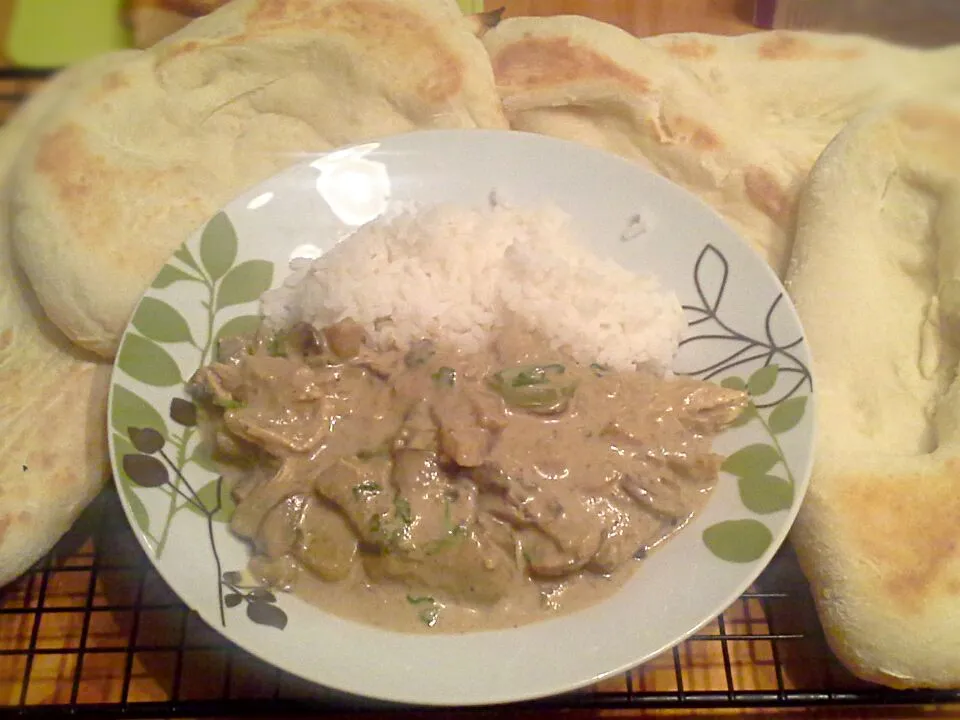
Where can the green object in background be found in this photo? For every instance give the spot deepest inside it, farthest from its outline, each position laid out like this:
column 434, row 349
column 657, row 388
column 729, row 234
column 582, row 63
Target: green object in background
column 471, row 6
column 52, row 33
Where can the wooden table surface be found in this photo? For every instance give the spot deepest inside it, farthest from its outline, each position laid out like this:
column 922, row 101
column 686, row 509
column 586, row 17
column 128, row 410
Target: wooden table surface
column 641, row 17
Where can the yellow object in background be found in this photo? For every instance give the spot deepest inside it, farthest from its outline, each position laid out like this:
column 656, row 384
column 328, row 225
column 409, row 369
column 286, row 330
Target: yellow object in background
column 52, row 33
column 471, row 6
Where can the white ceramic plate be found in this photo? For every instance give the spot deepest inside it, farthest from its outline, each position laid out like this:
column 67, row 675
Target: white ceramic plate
column 743, row 331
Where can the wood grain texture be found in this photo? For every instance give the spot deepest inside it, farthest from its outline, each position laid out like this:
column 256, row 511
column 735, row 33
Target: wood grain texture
column 645, row 17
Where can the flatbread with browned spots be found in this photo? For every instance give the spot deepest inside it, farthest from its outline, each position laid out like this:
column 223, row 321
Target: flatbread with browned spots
column 122, row 174
column 53, row 397
column 875, row 276
column 737, row 120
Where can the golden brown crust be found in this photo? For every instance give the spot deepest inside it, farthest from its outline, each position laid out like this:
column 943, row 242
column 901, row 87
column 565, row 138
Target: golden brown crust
column 877, row 247
column 225, row 103
column 913, row 561
column 52, row 396
column 766, row 194
column 691, row 48
column 794, row 46
column 533, row 63
column 737, row 120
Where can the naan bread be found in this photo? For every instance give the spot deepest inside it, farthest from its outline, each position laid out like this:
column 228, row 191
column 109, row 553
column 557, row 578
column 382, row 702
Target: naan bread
column 152, row 20
column 875, row 276
column 53, row 398
column 737, row 120
column 118, row 177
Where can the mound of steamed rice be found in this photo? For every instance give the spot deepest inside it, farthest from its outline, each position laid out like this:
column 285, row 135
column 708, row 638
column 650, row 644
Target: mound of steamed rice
column 451, row 273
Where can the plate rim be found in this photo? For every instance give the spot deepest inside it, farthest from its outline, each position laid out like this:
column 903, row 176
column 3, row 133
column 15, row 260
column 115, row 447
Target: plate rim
column 414, row 697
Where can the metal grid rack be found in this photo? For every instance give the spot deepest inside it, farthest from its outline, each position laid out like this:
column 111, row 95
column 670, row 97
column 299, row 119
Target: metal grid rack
column 92, row 631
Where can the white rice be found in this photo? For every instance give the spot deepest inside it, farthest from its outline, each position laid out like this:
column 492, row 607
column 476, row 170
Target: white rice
column 449, row 273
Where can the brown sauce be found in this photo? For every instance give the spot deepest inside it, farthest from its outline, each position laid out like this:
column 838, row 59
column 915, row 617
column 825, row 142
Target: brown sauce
column 427, row 488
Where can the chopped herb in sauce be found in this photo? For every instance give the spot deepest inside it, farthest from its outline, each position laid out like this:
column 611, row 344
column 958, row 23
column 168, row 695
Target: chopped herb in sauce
column 414, row 600
column 530, row 375
column 600, row 369
column 368, row 488
column 537, row 388
column 228, row 403
column 402, row 508
column 430, row 613
column 275, row 347
column 454, row 535
column 371, row 453
column 445, row 376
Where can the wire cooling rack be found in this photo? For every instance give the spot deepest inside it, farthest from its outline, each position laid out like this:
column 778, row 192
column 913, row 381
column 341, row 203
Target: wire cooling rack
column 92, row 631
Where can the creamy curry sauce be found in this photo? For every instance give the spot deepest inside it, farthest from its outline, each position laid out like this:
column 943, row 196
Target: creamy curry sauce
column 431, row 488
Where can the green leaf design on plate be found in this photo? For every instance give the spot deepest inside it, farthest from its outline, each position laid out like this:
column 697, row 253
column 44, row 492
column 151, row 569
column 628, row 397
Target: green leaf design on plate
column 140, row 515
column 218, row 246
column 748, row 414
column 168, row 275
column 207, row 495
column 243, row 325
column 159, row 321
column 245, row 283
column 733, row 383
column 144, row 360
column 763, row 380
column 754, row 459
column 764, row 494
column 787, row 414
column 183, row 255
column 130, row 410
column 739, row 541
column 202, row 457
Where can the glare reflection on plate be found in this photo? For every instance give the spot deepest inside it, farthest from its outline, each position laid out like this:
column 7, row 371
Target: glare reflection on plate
column 306, row 252
column 260, row 200
column 357, row 190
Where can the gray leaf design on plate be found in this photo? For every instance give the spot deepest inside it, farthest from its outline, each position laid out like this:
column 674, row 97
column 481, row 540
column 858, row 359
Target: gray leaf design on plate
column 146, row 440
column 263, row 613
column 183, row 412
column 145, row 470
